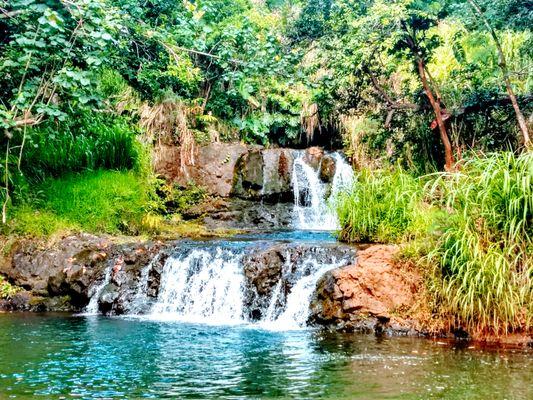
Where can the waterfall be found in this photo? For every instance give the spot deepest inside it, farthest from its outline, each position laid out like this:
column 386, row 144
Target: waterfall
column 211, row 282
column 291, row 311
column 201, row 285
column 96, row 291
column 313, row 202
column 266, row 282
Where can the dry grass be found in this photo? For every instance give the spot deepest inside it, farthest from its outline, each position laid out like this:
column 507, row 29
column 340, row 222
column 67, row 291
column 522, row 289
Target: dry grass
column 169, row 122
column 309, row 120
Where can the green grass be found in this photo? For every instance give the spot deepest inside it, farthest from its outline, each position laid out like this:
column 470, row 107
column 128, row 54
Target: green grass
column 485, row 254
column 88, row 142
column 380, row 208
column 97, row 201
column 471, row 231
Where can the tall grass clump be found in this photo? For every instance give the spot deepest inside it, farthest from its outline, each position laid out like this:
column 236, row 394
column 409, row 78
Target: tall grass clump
column 484, row 258
column 380, row 207
column 88, row 142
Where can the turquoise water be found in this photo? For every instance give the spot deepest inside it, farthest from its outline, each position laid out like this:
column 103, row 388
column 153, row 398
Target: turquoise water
column 56, row 356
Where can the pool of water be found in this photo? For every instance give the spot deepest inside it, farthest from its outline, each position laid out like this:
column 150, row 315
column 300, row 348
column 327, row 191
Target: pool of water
column 56, row 356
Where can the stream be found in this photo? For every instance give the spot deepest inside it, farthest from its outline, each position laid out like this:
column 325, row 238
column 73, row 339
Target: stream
column 199, row 325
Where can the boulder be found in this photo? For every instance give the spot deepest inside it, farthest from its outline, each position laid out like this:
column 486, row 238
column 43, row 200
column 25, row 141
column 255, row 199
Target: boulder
column 248, row 215
column 327, row 169
column 368, row 296
column 67, row 267
column 277, row 175
column 313, row 156
column 248, row 176
column 213, row 167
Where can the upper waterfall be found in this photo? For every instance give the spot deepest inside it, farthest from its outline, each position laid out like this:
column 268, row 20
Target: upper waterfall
column 314, row 198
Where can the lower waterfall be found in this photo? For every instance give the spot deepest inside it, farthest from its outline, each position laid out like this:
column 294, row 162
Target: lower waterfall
column 201, row 285
column 264, row 283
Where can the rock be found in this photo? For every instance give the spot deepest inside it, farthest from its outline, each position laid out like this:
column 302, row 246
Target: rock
column 248, row 176
column 277, row 172
column 58, row 276
column 367, row 296
column 313, row 156
column 327, row 169
column 213, row 168
column 234, row 169
column 67, row 267
column 109, row 295
column 249, row 215
column 266, row 270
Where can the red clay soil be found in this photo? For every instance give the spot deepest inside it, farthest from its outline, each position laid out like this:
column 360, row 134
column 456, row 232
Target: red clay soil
column 380, row 293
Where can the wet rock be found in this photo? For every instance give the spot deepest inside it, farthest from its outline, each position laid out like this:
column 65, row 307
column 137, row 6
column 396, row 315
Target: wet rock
column 59, row 276
column 313, row 156
column 234, row 169
column 368, row 296
column 109, row 295
column 133, row 279
column 327, row 169
column 279, row 267
column 67, row 267
column 246, row 215
column 248, row 175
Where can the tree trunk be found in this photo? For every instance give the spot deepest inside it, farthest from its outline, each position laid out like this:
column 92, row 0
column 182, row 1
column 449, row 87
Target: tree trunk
column 503, row 66
column 448, row 152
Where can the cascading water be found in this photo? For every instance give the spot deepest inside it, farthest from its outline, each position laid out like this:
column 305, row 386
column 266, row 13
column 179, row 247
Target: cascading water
column 210, row 282
column 313, row 206
column 291, row 311
column 201, row 285
column 92, row 307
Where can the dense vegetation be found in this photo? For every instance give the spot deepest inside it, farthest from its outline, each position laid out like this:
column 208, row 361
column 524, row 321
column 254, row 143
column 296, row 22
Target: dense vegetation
column 471, row 232
column 89, row 90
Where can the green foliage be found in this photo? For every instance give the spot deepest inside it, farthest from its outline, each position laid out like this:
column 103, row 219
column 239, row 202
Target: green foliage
column 379, row 208
column 89, row 142
column 7, row 291
column 473, row 229
column 176, row 198
column 363, row 63
column 485, row 253
column 50, row 57
column 99, row 201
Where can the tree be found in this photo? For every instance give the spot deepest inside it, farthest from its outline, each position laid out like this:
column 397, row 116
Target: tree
column 503, row 66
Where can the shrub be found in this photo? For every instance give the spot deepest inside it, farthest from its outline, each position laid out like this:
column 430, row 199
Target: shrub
column 7, row 291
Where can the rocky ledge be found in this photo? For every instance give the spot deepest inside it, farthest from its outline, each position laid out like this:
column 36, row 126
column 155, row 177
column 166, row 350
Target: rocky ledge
column 58, row 276
column 372, row 295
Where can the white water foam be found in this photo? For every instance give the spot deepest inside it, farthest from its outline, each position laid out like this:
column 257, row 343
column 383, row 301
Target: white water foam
column 201, row 286
column 314, row 209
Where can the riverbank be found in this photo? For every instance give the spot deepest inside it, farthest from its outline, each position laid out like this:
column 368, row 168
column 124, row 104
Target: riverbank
column 468, row 231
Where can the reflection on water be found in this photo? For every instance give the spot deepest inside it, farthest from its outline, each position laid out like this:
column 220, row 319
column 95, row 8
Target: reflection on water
column 97, row 357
